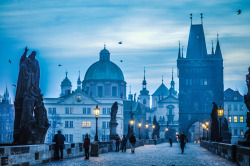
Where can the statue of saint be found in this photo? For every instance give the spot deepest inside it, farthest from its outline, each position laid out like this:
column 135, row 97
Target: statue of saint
column 248, row 80
column 114, row 109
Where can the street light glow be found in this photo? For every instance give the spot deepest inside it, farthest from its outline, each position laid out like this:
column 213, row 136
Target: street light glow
column 139, row 124
column 97, row 111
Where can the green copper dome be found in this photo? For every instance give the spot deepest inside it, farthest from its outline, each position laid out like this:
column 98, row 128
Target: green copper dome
column 104, row 69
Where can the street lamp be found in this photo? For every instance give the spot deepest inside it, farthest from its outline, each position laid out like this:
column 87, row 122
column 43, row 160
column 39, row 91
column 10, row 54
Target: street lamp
column 207, row 125
column 166, row 133
column 146, row 131
column 97, row 112
column 139, row 124
column 131, row 122
column 153, row 131
column 204, row 128
column 220, row 114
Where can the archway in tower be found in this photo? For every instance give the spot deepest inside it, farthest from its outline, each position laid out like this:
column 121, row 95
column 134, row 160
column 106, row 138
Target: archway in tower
column 195, row 132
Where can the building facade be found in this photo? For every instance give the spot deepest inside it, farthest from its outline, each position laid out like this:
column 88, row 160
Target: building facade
column 236, row 114
column 73, row 111
column 200, row 79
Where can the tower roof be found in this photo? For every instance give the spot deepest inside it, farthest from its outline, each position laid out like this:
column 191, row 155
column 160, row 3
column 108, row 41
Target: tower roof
column 66, row 81
column 218, row 50
column 161, row 91
column 196, row 42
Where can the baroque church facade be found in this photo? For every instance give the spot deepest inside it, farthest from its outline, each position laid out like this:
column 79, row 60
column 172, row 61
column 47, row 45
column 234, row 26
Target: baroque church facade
column 73, row 111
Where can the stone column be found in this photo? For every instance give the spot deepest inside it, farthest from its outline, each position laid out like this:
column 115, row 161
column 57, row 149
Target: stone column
column 113, row 125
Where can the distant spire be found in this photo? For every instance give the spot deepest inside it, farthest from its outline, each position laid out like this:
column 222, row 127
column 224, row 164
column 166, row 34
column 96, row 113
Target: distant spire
column 191, row 17
column 130, row 89
column 144, row 72
column 104, row 46
column 182, row 52
column 179, row 53
column 201, row 18
column 218, row 50
column 172, row 75
column 212, row 47
column 144, row 82
column 66, row 73
column 162, row 79
column 172, row 83
column 79, row 75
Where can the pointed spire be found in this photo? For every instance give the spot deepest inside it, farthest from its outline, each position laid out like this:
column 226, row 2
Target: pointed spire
column 191, row 17
column 172, row 75
column 172, row 83
column 179, row 53
column 66, row 74
column 79, row 76
column 212, row 47
column 104, row 46
column 162, row 79
column 201, row 18
column 182, row 52
column 144, row 72
column 218, row 50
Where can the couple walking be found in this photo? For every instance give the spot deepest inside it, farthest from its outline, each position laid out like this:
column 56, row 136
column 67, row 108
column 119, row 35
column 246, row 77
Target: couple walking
column 132, row 140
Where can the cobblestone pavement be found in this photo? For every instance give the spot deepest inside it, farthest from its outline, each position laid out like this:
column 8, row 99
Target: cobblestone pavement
column 151, row 155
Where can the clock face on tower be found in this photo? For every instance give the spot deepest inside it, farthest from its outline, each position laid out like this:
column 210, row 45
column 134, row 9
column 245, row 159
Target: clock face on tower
column 78, row 98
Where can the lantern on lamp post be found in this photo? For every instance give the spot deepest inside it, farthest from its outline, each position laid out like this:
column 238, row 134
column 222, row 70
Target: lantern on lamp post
column 207, row 125
column 220, row 114
column 97, row 112
column 146, row 131
column 139, row 124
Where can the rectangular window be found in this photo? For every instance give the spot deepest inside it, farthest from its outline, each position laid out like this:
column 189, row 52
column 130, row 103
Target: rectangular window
column 71, row 124
column 104, row 111
column 241, row 119
column 84, row 111
column 241, row 107
column 84, row 124
column 71, row 111
column 229, row 119
column 114, row 91
column 108, row 111
column 108, row 125
column 66, row 137
column 235, row 131
column 241, row 132
column 100, row 91
column 235, row 108
column 235, row 119
column 89, row 111
column 229, row 108
column 190, row 81
column 107, row 137
column 103, row 137
column 66, row 124
column 88, row 124
column 71, row 138
column 66, row 110
column 54, row 111
column 50, row 111
column 104, row 125
column 205, row 81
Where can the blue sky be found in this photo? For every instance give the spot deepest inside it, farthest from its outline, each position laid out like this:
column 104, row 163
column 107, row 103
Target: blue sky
column 72, row 33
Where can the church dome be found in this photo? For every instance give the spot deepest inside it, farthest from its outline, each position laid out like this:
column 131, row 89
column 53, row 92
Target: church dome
column 104, row 69
column 66, row 81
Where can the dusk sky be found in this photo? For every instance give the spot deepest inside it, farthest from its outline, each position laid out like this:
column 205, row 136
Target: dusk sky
column 72, row 33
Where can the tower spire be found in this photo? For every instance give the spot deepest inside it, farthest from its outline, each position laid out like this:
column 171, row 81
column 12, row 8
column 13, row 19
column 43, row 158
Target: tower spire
column 162, row 79
column 172, row 75
column 218, row 50
column 212, row 47
column 66, row 73
column 144, row 82
column 201, row 18
column 179, row 53
column 191, row 17
column 182, row 51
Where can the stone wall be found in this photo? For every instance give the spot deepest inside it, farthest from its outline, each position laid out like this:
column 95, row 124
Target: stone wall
column 234, row 153
column 43, row 153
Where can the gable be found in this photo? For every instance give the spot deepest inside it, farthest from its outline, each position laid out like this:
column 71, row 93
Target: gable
column 77, row 98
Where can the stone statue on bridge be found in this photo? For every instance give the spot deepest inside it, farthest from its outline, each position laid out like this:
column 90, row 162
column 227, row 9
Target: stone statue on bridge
column 31, row 123
column 215, row 123
column 113, row 122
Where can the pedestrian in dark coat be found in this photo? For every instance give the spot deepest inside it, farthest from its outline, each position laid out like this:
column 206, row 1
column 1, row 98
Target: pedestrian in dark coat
column 124, row 143
column 86, row 146
column 132, row 140
column 117, row 143
column 170, row 141
column 59, row 140
column 183, row 140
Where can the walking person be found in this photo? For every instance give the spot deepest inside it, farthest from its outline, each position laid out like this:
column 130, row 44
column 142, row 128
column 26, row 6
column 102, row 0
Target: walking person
column 170, row 141
column 124, row 143
column 117, row 143
column 183, row 140
column 155, row 139
column 86, row 146
column 132, row 141
column 59, row 140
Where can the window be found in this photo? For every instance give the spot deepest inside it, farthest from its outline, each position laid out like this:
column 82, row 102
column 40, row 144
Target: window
column 241, row 107
column 241, row 132
column 230, row 119
column 114, row 91
column 108, row 125
column 88, row 124
column 107, row 137
column 89, row 111
column 104, row 111
column 103, row 125
column 71, row 124
column 205, row 81
column 241, row 119
column 84, row 124
column 235, row 98
column 108, row 111
column 235, row 108
column 235, row 118
column 66, row 137
column 66, row 124
column 84, row 111
column 229, row 108
column 144, row 101
column 71, row 138
column 235, row 131
column 83, row 137
column 54, row 111
column 71, row 110
column 66, row 110
column 50, row 110
column 100, row 91
column 103, row 137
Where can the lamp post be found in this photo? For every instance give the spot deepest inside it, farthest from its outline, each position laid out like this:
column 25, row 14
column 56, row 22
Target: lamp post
column 146, row 131
column 167, row 132
column 97, row 112
column 220, row 114
column 153, row 131
column 207, row 125
column 139, row 124
column 203, row 133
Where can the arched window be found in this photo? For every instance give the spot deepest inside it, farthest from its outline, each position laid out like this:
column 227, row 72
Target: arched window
column 144, row 101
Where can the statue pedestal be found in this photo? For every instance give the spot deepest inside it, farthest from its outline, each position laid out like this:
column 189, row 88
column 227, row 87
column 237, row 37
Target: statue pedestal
column 113, row 125
column 94, row 148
